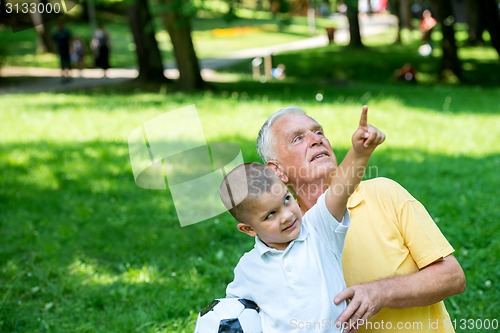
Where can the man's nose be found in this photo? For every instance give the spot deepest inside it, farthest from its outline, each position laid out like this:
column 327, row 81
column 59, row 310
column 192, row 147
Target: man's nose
column 314, row 139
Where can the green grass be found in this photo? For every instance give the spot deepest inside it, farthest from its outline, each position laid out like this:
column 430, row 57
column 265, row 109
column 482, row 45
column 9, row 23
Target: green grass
column 83, row 249
column 376, row 63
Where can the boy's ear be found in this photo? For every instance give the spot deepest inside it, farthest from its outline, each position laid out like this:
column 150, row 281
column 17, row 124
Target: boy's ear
column 276, row 167
column 246, row 229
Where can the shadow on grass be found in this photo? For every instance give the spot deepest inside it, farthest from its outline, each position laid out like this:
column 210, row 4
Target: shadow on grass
column 374, row 65
column 292, row 90
column 377, row 64
column 438, row 98
column 425, row 98
column 85, row 249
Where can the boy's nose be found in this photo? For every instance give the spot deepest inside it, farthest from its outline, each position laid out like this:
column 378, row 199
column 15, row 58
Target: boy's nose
column 287, row 216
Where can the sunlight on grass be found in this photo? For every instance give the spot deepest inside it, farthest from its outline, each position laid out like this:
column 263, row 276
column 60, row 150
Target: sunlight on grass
column 466, row 133
column 84, row 249
column 217, row 43
column 481, row 54
column 84, row 244
column 90, row 273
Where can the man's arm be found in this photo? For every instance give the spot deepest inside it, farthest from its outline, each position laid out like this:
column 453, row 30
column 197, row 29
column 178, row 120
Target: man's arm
column 430, row 285
column 352, row 169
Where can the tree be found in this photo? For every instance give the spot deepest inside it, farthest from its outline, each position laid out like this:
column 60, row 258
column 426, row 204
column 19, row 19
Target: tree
column 449, row 60
column 394, row 8
column 146, row 46
column 176, row 16
column 489, row 15
column 42, row 27
column 474, row 22
column 230, row 15
column 401, row 9
column 352, row 17
column 405, row 12
column 41, row 22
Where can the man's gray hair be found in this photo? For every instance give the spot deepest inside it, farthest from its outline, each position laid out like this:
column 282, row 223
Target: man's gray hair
column 265, row 140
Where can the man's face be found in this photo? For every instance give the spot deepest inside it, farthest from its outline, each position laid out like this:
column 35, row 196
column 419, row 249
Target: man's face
column 302, row 150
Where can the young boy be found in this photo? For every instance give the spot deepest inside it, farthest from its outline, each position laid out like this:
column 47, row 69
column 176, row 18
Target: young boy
column 294, row 271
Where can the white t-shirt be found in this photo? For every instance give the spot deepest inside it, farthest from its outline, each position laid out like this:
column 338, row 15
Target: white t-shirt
column 295, row 287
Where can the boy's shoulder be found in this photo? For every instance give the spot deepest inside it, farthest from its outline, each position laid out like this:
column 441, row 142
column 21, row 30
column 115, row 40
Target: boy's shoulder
column 250, row 256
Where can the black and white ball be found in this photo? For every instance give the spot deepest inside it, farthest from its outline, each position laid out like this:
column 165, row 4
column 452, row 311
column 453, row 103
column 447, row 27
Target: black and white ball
column 229, row 315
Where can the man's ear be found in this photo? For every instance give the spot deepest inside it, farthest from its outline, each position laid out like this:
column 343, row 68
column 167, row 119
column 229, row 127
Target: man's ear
column 276, row 167
column 246, row 229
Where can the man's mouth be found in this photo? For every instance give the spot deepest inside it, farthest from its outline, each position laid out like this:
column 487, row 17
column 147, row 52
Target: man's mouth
column 318, row 156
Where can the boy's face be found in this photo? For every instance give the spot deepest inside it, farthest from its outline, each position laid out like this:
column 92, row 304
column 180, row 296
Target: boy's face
column 275, row 217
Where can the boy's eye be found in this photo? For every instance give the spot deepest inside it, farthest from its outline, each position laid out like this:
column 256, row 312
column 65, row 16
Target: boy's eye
column 270, row 215
column 287, row 199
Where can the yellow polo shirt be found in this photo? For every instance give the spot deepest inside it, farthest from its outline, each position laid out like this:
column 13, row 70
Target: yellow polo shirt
column 392, row 234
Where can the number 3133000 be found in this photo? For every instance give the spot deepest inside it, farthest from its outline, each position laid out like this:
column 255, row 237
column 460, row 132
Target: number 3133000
column 32, row 8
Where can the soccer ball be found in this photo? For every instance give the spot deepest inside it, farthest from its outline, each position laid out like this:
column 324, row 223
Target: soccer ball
column 229, row 315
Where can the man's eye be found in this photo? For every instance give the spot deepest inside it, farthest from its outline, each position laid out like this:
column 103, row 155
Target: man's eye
column 319, row 132
column 297, row 138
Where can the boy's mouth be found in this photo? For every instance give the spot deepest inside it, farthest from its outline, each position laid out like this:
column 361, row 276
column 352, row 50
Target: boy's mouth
column 290, row 226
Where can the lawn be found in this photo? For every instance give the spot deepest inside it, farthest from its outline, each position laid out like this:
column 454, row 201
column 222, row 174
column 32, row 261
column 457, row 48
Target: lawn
column 86, row 250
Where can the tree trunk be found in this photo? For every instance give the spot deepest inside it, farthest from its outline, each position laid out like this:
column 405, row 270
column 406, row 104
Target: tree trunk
column 489, row 15
column 474, row 22
column 178, row 25
column 405, row 12
column 42, row 27
column 146, row 46
column 230, row 10
column 396, row 11
column 352, row 17
column 449, row 60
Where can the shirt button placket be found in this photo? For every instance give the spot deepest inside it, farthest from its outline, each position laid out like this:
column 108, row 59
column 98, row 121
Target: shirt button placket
column 288, row 269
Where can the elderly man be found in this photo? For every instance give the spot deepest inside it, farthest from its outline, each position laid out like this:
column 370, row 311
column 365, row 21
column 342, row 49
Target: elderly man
column 397, row 264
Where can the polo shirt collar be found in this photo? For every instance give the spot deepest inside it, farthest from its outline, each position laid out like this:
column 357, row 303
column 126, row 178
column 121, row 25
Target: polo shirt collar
column 263, row 248
column 354, row 200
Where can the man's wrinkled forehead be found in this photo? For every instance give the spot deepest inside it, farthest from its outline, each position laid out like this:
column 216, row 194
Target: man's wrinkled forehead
column 290, row 124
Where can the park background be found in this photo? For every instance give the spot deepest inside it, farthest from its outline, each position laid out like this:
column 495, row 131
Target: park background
column 83, row 249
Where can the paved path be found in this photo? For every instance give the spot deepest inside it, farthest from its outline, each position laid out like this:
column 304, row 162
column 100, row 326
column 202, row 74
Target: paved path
column 48, row 80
